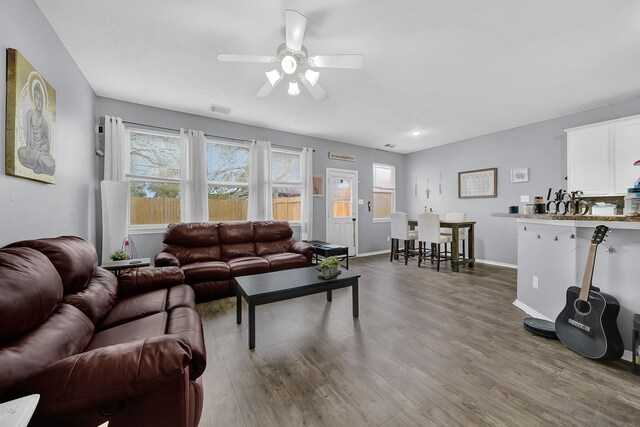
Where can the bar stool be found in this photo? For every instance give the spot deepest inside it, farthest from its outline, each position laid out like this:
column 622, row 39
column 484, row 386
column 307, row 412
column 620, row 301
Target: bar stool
column 429, row 232
column 457, row 217
column 400, row 231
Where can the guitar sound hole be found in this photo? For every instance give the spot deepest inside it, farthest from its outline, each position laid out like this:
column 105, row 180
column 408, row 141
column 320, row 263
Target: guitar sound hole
column 583, row 307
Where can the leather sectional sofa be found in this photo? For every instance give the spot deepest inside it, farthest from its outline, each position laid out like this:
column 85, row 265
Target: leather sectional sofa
column 213, row 254
column 129, row 350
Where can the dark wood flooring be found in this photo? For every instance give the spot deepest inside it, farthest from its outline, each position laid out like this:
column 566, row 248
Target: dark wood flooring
column 429, row 348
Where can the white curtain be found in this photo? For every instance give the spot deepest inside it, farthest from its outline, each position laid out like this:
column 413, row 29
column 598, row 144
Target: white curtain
column 114, row 190
column 193, row 169
column 306, row 207
column 260, row 197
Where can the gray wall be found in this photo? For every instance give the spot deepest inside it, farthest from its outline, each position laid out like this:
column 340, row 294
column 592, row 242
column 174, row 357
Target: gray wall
column 541, row 147
column 372, row 235
column 31, row 209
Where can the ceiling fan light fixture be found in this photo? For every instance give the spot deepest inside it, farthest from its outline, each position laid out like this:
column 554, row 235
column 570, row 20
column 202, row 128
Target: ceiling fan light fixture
column 289, row 64
column 273, row 76
column 293, row 89
column 312, row 76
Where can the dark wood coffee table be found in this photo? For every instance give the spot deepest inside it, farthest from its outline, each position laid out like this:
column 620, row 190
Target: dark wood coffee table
column 264, row 288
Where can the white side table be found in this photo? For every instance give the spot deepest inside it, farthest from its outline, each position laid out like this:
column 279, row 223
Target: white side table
column 18, row 412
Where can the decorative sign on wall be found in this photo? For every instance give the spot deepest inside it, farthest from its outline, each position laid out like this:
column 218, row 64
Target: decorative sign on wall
column 478, row 183
column 31, row 122
column 520, row 175
column 342, row 156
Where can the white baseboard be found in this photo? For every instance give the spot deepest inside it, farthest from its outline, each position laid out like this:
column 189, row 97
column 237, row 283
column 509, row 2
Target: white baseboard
column 499, row 264
column 530, row 311
column 386, row 251
column 533, row 313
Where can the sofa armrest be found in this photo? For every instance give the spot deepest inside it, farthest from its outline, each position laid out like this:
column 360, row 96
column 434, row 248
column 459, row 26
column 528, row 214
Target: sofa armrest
column 149, row 279
column 108, row 374
column 302, row 248
column 166, row 259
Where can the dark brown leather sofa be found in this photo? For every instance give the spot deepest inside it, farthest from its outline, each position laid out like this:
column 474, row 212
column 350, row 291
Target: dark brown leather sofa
column 129, row 351
column 213, row 254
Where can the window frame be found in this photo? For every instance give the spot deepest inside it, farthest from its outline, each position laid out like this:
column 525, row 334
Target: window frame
column 288, row 184
column 377, row 189
column 146, row 228
column 228, row 184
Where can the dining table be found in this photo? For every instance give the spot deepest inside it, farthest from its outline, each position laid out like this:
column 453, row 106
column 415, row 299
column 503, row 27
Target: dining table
column 455, row 227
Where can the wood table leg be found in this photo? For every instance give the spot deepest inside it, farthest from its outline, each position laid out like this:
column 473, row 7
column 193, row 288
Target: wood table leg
column 472, row 254
column 238, row 306
column 354, row 294
column 329, row 295
column 252, row 326
column 455, row 235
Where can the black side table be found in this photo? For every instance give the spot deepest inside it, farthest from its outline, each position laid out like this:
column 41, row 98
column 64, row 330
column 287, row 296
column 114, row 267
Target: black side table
column 117, row 266
column 325, row 250
column 635, row 350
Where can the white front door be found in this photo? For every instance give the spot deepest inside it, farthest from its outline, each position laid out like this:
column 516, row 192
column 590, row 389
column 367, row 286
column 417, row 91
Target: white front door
column 342, row 208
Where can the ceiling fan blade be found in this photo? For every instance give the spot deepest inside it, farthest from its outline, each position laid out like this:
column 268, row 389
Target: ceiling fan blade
column 230, row 57
column 296, row 24
column 267, row 88
column 337, row 61
column 318, row 93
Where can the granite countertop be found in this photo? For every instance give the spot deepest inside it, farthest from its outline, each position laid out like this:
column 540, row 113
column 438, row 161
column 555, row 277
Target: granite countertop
column 570, row 217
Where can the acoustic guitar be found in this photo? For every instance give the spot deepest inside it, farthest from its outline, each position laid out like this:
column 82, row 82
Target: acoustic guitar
column 588, row 322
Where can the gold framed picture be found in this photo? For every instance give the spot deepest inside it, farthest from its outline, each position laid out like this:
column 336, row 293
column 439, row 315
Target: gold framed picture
column 30, row 142
column 478, row 183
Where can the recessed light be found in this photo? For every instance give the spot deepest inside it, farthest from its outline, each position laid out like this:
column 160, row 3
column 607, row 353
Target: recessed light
column 415, row 133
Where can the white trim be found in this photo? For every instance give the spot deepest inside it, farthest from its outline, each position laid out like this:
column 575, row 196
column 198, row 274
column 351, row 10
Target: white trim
column 530, row 311
column 498, row 263
column 533, row 313
column 386, row 251
column 606, row 122
column 148, row 229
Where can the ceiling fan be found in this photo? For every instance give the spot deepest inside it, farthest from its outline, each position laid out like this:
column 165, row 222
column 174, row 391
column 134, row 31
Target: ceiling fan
column 294, row 61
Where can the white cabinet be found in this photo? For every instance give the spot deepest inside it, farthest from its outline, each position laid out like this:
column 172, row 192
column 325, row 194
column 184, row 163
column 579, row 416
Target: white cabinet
column 626, row 152
column 600, row 156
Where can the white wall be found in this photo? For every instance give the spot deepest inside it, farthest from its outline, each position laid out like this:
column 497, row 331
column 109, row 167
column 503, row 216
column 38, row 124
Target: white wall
column 30, row 209
column 542, row 147
column 372, row 236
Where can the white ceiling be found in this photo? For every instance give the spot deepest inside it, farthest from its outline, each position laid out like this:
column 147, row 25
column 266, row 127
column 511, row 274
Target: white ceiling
column 453, row 69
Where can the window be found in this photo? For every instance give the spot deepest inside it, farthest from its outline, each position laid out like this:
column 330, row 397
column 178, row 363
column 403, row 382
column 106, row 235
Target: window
column 384, row 191
column 286, row 184
column 228, row 181
column 154, row 177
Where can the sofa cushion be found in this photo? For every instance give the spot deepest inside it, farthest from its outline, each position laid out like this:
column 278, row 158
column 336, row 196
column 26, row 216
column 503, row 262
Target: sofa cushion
column 204, row 271
column 273, row 247
column 145, row 327
column 74, row 259
column 30, row 290
column 65, row 333
column 192, row 234
column 213, row 289
column 181, row 296
column 97, row 299
column 238, row 250
column 285, row 261
column 245, row 266
column 236, row 232
column 135, row 307
column 270, row 231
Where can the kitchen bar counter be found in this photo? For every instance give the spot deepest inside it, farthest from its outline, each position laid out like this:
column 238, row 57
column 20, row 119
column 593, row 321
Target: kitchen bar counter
column 619, row 222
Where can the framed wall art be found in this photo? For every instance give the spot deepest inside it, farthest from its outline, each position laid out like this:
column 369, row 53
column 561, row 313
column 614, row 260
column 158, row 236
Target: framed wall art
column 30, row 148
column 520, row 175
column 478, row 183
column 318, row 186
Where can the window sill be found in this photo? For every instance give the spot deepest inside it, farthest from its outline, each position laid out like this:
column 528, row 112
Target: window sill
column 382, row 220
column 147, row 229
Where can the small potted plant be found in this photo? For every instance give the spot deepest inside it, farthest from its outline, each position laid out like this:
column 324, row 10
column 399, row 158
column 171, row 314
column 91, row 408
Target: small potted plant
column 329, row 268
column 119, row 256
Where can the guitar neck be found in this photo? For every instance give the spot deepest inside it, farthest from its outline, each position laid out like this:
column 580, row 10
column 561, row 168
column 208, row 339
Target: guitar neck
column 588, row 273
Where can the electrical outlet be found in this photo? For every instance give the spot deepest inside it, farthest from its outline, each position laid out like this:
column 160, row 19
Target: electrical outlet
column 388, row 238
column 524, row 199
column 535, row 282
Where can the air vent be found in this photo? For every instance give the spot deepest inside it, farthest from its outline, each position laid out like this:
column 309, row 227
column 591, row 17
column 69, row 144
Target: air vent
column 220, row 109
column 390, row 145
